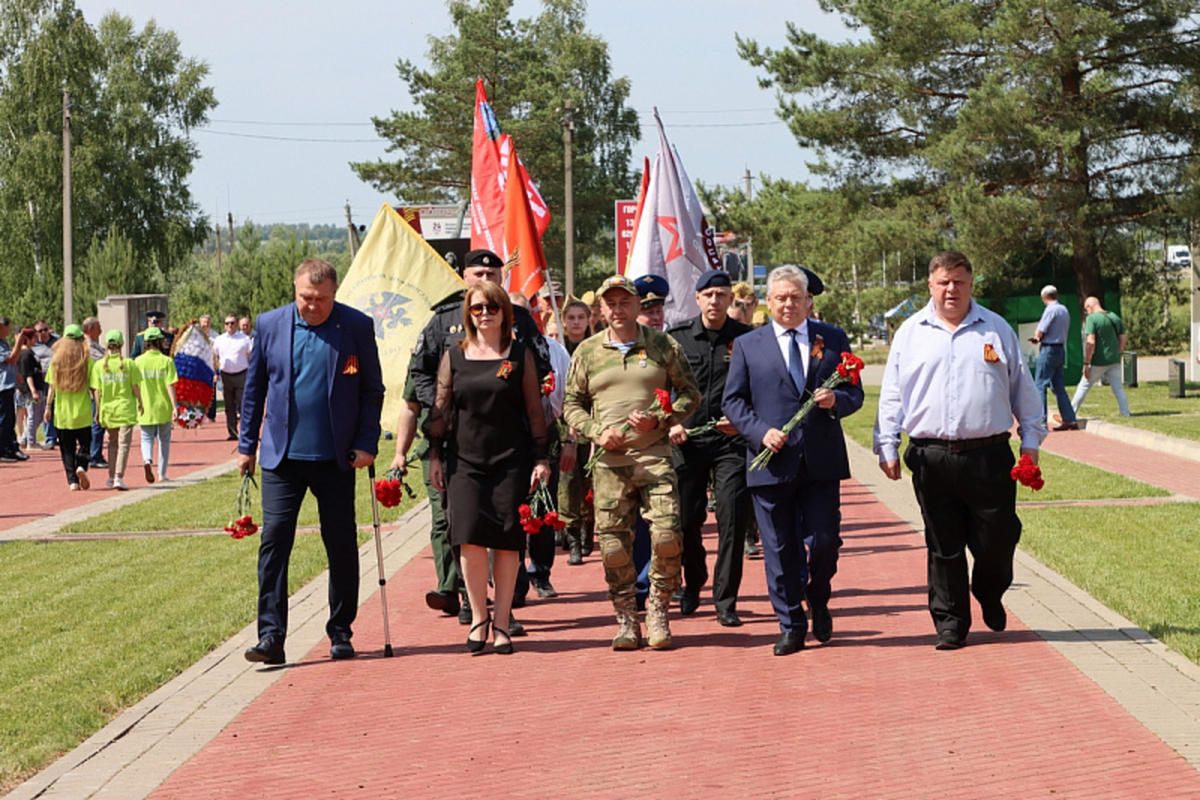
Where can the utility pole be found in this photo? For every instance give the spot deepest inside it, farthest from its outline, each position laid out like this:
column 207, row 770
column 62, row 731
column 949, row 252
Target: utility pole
column 352, row 231
column 748, row 197
column 229, row 216
column 217, row 228
column 68, row 270
column 568, row 203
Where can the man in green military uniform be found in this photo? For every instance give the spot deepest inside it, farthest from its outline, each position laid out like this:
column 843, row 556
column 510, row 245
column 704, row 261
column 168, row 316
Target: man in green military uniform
column 609, row 395
column 446, row 327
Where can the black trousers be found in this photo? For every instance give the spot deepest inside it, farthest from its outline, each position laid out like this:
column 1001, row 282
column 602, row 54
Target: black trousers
column 75, row 449
column 968, row 501
column 283, row 489
column 232, row 386
column 723, row 458
column 8, row 422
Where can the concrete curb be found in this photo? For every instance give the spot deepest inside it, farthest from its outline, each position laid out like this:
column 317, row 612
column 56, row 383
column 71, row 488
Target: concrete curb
column 1158, row 442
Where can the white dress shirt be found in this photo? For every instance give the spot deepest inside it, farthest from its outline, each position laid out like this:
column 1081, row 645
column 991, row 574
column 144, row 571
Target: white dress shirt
column 785, row 343
column 232, row 351
column 968, row 383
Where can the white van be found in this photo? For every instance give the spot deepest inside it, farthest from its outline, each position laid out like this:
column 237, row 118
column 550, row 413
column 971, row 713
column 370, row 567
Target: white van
column 1178, row 255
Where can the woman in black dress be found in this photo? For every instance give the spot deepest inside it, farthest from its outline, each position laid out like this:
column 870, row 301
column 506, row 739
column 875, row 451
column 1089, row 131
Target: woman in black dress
column 488, row 419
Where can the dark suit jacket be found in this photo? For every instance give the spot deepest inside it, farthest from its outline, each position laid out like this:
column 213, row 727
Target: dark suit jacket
column 760, row 395
column 355, row 386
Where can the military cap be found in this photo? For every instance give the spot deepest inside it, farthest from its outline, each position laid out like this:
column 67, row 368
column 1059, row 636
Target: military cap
column 652, row 289
column 482, row 258
column 155, row 315
column 617, row 282
column 711, row 278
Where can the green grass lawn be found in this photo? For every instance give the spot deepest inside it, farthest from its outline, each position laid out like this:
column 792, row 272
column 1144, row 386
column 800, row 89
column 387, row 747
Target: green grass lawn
column 1140, row 561
column 91, row 627
column 1151, row 408
column 1065, row 479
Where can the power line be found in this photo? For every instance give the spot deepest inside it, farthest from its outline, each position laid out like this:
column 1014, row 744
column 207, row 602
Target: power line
column 374, row 140
column 291, row 124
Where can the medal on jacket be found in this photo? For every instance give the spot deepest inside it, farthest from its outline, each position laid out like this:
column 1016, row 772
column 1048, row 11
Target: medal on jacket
column 642, row 358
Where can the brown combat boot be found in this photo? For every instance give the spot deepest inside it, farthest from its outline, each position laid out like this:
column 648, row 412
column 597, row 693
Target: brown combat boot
column 629, row 632
column 658, row 631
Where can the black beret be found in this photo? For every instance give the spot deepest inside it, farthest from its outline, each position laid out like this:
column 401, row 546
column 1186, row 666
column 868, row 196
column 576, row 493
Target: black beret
column 815, row 286
column 711, row 278
column 482, row 258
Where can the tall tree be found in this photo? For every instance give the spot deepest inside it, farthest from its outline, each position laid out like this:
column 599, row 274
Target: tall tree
column 534, row 70
column 1043, row 124
column 134, row 96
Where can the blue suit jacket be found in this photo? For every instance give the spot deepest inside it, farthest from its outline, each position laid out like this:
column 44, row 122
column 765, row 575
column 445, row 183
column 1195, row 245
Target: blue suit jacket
column 355, row 386
column 760, row 395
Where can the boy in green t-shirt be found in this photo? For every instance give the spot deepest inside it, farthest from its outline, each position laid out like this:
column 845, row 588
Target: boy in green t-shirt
column 115, row 381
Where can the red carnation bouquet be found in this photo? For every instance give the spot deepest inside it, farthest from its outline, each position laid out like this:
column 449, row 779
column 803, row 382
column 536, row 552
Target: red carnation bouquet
column 1028, row 473
column 662, row 402
column 243, row 524
column 849, row 371
column 539, row 512
column 391, row 488
column 548, row 384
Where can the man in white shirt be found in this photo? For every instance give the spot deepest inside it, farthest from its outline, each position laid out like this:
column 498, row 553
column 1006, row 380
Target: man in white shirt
column 232, row 353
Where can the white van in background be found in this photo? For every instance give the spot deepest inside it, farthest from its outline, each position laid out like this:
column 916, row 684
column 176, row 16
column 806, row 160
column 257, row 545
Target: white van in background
column 1178, row 255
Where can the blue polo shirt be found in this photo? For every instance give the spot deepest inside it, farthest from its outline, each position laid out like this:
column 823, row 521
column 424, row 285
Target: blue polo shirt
column 310, row 429
column 1054, row 323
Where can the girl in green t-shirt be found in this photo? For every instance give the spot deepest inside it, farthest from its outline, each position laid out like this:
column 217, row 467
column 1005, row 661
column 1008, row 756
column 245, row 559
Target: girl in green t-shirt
column 69, row 404
column 115, row 381
column 157, row 373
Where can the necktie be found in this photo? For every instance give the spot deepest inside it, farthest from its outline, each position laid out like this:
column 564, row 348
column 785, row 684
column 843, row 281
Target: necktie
column 796, row 362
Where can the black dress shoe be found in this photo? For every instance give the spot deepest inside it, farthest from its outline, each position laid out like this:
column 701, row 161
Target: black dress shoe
column 267, row 651
column 19, row 456
column 948, row 640
column 464, row 612
column 729, row 618
column 822, row 623
column 544, row 589
column 789, row 643
column 689, row 601
column 340, row 646
column 446, row 602
column 995, row 617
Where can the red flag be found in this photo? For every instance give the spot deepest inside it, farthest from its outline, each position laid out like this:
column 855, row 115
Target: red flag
column 541, row 213
column 637, row 216
column 487, row 179
column 526, row 262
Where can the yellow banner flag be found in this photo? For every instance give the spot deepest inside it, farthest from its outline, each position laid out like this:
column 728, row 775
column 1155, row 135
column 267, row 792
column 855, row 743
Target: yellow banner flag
column 396, row 280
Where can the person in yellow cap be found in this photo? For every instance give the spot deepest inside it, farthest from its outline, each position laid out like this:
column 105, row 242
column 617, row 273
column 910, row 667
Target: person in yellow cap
column 69, row 404
column 119, row 400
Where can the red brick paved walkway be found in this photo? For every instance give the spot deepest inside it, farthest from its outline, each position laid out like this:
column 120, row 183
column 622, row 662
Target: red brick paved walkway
column 875, row 713
column 41, row 484
column 1174, row 473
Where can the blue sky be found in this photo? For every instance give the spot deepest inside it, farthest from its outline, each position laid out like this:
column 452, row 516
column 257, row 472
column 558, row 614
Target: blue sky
column 318, row 71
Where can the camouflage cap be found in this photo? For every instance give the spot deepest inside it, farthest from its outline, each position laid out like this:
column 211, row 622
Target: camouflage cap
column 617, row 282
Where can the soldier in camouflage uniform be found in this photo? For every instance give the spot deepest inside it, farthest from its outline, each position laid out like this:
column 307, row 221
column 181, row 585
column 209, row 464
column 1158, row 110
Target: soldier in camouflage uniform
column 612, row 384
column 444, row 328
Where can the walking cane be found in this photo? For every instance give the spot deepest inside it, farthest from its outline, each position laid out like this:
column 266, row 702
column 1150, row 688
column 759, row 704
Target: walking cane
column 387, row 636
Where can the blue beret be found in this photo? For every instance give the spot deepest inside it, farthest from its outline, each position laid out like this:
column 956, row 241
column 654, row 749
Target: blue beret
column 652, row 287
column 711, row 278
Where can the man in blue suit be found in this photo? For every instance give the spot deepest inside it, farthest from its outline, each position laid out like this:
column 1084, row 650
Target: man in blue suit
column 315, row 370
column 774, row 369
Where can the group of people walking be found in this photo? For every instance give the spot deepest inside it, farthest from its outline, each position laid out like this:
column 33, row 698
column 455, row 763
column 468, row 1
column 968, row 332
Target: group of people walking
column 658, row 419
column 79, row 388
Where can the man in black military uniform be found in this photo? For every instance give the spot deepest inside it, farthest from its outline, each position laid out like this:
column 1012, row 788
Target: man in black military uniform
column 707, row 341
column 446, row 327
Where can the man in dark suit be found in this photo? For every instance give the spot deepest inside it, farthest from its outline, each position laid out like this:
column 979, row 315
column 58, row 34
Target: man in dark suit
column 315, row 370
column 775, row 369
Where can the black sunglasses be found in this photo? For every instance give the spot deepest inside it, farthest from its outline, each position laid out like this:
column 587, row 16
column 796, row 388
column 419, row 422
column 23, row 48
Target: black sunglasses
column 41, row 330
column 478, row 308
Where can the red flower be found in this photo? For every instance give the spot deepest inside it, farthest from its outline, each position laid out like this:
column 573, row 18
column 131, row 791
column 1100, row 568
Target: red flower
column 590, row 497
column 1027, row 473
column 525, row 511
column 850, row 368
column 548, row 384
column 664, row 401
